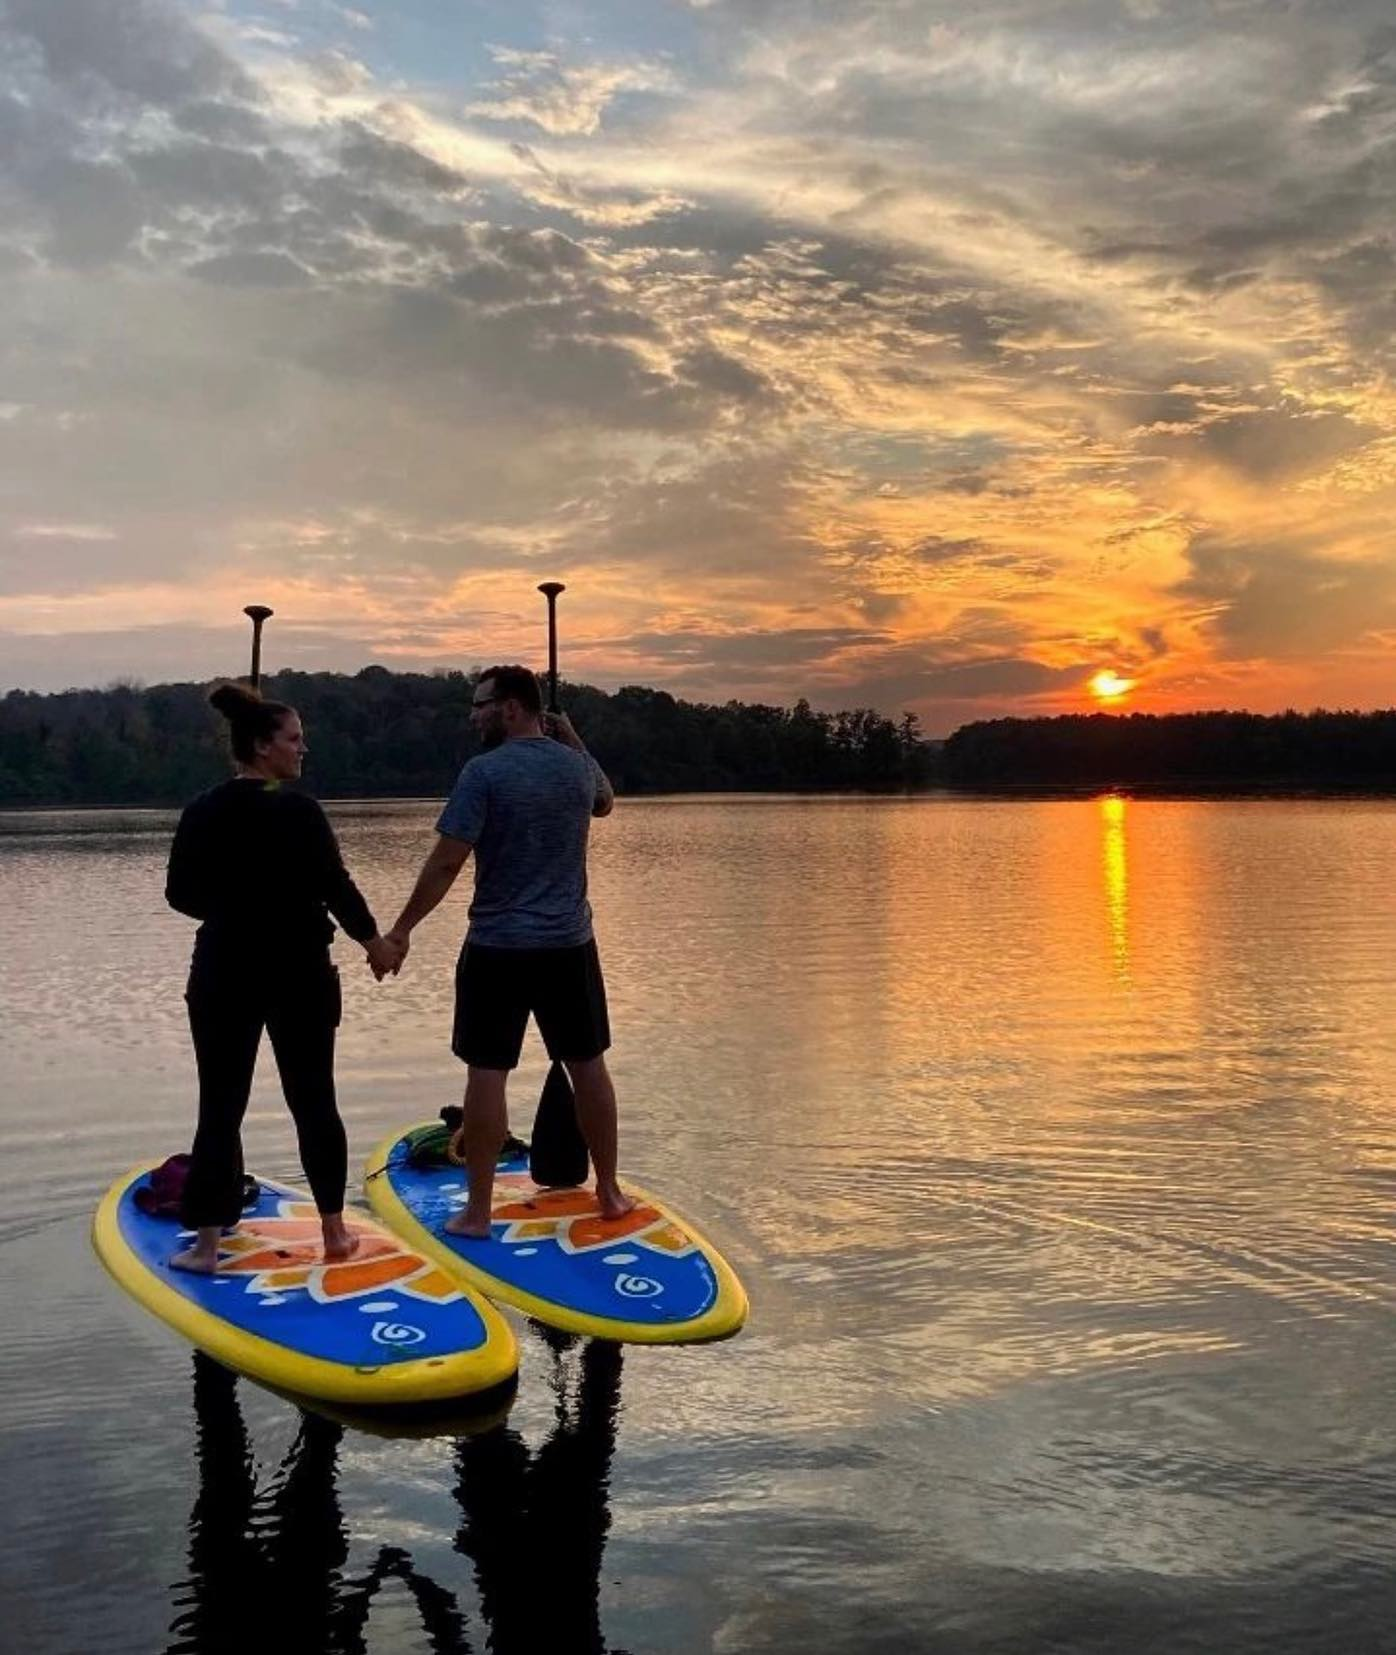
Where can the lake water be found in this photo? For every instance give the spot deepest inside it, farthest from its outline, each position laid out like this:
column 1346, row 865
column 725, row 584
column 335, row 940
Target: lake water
column 1055, row 1143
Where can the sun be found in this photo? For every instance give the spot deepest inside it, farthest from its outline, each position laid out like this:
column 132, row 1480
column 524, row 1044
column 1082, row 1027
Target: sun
column 1107, row 685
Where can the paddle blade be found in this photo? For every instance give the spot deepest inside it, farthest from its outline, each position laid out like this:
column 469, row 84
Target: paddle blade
column 557, row 1156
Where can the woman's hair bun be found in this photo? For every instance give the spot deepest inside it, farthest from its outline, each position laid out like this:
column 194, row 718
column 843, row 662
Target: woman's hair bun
column 251, row 718
column 234, row 700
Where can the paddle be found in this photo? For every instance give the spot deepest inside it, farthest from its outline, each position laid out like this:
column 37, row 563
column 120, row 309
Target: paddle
column 550, row 590
column 258, row 614
column 557, row 1155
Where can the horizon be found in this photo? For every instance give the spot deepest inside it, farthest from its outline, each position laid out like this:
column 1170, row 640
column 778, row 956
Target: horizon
column 140, row 686
column 1015, row 366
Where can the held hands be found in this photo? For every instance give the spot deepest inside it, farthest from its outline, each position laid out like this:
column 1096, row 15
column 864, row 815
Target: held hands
column 385, row 955
column 559, row 727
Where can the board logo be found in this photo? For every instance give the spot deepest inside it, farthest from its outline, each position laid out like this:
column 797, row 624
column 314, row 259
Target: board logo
column 397, row 1333
column 637, row 1287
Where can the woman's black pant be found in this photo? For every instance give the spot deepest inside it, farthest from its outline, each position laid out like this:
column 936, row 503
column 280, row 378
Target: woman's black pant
column 230, row 1003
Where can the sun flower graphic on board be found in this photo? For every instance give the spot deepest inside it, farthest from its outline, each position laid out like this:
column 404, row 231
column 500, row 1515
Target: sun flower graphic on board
column 572, row 1219
column 278, row 1254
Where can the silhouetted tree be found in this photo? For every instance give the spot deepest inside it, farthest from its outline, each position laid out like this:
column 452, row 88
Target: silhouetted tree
column 379, row 733
column 1221, row 749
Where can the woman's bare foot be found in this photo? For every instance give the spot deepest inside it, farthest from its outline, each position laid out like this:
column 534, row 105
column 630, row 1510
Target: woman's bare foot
column 340, row 1241
column 470, row 1225
column 202, row 1258
column 198, row 1260
column 614, row 1202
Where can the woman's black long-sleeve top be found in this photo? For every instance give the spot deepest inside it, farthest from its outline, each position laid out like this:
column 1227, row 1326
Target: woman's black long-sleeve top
column 260, row 866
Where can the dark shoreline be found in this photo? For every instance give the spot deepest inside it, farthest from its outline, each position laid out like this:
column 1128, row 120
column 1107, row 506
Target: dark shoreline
column 1177, row 789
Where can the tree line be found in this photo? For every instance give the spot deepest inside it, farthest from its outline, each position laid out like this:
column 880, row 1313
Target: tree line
column 377, row 733
column 1208, row 750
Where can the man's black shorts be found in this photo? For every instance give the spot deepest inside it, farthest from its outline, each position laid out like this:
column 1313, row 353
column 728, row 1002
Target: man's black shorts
column 497, row 988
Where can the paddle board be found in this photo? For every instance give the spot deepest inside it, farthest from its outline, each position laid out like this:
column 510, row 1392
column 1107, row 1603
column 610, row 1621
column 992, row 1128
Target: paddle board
column 384, row 1327
column 647, row 1278
column 452, row 1419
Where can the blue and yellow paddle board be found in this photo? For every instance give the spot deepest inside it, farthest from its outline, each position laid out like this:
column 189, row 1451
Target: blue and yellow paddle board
column 647, row 1278
column 383, row 1327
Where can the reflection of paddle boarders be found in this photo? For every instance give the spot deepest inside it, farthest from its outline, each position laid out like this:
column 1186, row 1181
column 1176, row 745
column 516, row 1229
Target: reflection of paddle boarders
column 535, row 1525
column 255, row 1558
column 260, row 867
column 266, row 1568
column 524, row 806
column 224, row 1554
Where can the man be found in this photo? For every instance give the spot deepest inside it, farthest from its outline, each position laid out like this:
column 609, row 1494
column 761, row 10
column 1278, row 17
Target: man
column 524, row 806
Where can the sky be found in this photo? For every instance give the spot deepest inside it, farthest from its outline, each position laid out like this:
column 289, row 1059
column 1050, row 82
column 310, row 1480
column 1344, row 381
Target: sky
column 858, row 350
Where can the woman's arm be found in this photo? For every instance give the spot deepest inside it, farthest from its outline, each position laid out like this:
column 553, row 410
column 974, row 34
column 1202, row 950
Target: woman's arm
column 187, row 876
column 345, row 901
column 334, row 884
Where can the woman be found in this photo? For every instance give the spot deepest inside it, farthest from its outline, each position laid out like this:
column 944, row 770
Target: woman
column 259, row 866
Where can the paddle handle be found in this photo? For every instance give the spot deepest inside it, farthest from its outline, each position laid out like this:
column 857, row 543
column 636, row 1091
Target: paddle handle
column 550, row 590
column 258, row 614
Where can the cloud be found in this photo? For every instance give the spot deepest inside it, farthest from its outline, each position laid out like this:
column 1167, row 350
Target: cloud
column 560, row 98
column 975, row 680
column 1277, row 600
column 1267, row 444
column 748, row 653
column 64, row 531
column 933, row 549
column 251, row 270
column 185, row 653
column 142, row 49
column 370, row 159
column 616, row 208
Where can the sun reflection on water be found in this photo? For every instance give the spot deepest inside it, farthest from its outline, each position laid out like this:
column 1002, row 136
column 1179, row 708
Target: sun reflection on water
column 1114, row 855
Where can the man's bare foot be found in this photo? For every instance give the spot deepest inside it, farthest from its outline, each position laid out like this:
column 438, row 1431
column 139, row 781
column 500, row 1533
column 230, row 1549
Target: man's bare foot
column 197, row 1260
column 340, row 1241
column 468, row 1225
column 614, row 1202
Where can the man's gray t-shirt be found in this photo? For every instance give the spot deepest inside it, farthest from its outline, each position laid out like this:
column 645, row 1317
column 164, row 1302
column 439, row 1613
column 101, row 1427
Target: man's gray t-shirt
column 526, row 808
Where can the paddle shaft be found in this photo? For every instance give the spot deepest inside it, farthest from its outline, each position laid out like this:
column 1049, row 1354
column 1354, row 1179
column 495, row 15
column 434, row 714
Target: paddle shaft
column 258, row 614
column 558, row 1153
column 550, row 590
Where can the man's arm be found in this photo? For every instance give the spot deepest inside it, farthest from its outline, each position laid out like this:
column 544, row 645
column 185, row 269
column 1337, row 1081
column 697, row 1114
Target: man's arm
column 559, row 727
column 447, row 858
column 605, row 793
